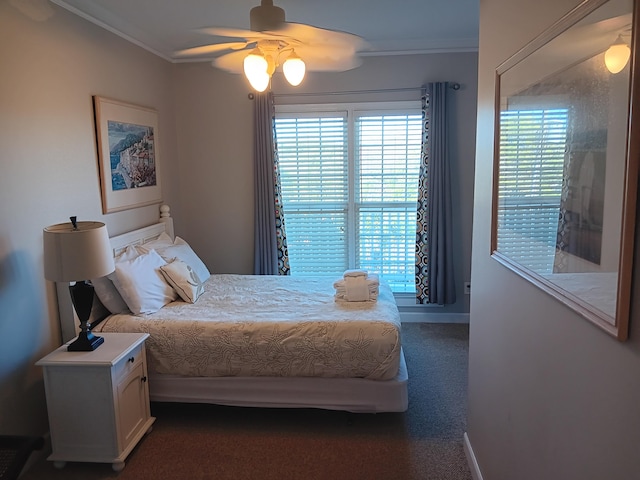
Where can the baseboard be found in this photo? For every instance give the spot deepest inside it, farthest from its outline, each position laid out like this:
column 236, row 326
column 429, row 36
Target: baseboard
column 425, row 317
column 471, row 459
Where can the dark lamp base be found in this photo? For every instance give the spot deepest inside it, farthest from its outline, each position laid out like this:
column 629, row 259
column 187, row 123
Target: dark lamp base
column 86, row 342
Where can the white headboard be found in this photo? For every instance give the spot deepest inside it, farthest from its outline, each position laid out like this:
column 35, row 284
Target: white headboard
column 144, row 234
column 136, row 237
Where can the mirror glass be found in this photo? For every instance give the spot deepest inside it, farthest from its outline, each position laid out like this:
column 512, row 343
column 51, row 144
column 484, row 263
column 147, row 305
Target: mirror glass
column 562, row 155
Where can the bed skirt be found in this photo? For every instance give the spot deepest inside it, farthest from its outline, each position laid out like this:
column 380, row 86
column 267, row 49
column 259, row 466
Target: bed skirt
column 356, row 395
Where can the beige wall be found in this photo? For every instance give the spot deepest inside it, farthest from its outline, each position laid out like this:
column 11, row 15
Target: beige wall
column 551, row 396
column 214, row 125
column 50, row 70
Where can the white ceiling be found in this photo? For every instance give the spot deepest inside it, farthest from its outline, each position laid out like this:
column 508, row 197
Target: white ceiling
column 391, row 27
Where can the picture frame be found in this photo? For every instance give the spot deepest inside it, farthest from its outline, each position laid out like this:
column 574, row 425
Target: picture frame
column 567, row 152
column 128, row 154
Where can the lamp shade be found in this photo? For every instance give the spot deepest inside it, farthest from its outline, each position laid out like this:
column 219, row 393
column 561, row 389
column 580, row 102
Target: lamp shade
column 77, row 253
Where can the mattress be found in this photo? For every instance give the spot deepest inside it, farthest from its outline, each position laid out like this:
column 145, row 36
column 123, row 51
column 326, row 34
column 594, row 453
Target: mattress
column 275, row 326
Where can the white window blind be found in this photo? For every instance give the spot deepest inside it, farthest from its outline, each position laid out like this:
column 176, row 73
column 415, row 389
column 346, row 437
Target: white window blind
column 312, row 153
column 388, row 164
column 349, row 185
column 532, row 150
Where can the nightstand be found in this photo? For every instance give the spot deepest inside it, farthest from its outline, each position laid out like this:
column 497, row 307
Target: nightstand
column 98, row 402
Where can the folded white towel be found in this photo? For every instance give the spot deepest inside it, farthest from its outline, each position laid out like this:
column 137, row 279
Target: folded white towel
column 373, row 281
column 354, row 273
column 357, row 289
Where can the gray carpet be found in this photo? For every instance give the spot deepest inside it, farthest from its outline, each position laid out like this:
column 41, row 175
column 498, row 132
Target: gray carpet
column 206, row 442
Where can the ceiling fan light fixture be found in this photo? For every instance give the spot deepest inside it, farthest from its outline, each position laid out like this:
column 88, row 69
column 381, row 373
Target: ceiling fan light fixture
column 271, row 43
column 294, row 69
column 255, row 69
column 617, row 55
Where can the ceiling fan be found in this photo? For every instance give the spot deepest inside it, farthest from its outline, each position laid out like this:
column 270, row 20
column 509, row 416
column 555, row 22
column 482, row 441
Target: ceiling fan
column 272, row 41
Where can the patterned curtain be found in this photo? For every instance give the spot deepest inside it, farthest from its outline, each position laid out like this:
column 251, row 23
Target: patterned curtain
column 281, row 236
column 434, row 252
column 270, row 244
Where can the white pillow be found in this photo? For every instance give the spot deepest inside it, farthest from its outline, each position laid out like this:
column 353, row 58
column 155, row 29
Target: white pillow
column 105, row 287
column 163, row 240
column 183, row 279
column 142, row 285
column 182, row 251
column 200, row 267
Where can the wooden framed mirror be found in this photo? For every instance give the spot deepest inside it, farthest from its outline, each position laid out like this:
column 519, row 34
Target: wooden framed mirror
column 566, row 162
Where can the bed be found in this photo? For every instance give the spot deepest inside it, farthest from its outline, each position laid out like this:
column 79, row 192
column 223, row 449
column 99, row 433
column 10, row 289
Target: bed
column 268, row 341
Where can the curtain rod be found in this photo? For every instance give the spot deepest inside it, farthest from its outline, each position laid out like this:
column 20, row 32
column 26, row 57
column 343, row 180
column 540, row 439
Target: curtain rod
column 453, row 86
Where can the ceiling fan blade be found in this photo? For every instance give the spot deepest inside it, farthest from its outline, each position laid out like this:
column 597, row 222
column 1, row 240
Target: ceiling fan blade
column 213, row 48
column 328, row 58
column 231, row 62
column 311, row 35
column 235, row 33
column 321, row 49
column 325, row 59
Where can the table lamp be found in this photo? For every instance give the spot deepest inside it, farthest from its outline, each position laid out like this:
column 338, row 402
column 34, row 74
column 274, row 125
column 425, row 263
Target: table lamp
column 76, row 252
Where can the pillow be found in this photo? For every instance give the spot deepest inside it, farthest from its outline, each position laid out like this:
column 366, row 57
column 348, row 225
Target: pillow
column 163, row 240
column 109, row 295
column 106, row 289
column 142, row 285
column 183, row 280
column 200, row 268
column 182, row 251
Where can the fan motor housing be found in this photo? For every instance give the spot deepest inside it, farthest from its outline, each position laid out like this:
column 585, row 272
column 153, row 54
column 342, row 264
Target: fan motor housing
column 266, row 17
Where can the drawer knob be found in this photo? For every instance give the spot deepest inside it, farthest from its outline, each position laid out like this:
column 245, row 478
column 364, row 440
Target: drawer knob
column 143, row 379
column 131, row 359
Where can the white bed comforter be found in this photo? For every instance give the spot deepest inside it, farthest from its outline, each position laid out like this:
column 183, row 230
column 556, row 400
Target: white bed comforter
column 245, row 325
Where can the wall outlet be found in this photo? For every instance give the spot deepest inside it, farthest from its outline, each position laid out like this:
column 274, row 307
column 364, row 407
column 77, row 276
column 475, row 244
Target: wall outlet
column 467, row 288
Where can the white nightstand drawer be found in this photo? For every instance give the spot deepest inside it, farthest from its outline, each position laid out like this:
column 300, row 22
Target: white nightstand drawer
column 128, row 363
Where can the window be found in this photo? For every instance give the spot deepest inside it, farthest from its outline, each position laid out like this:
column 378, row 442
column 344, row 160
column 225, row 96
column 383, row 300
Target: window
column 532, row 145
column 349, row 178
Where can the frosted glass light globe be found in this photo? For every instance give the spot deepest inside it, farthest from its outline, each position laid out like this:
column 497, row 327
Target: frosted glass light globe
column 294, row 69
column 255, row 69
column 617, row 56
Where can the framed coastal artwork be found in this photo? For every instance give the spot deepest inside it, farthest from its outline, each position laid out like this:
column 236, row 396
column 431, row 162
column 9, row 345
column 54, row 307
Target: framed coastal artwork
column 128, row 154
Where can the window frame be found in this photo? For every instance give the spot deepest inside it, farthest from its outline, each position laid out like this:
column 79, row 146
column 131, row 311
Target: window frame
column 352, row 111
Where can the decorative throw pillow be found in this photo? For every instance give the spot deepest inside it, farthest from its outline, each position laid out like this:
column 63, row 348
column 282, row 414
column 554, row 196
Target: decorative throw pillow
column 183, row 279
column 200, row 268
column 142, row 285
column 182, row 251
